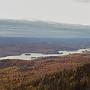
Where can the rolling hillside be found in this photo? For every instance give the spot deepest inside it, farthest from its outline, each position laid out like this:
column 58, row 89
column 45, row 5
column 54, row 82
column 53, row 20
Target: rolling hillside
column 18, row 74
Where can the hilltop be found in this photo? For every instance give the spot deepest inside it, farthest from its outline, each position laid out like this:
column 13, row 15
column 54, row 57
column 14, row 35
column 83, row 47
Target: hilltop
column 20, row 72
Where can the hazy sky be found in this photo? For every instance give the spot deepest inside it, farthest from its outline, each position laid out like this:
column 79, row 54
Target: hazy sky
column 68, row 11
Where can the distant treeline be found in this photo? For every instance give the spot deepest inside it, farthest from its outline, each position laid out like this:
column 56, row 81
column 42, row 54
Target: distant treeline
column 78, row 79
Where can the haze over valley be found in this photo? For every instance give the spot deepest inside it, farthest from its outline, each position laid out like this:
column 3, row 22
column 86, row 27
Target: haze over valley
column 34, row 53
column 44, row 44
column 42, row 29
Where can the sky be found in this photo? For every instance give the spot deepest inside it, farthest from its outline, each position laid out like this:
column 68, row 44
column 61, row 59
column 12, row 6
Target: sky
column 64, row 11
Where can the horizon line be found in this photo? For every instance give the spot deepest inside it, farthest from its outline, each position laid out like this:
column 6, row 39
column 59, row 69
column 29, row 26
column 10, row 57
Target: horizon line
column 47, row 21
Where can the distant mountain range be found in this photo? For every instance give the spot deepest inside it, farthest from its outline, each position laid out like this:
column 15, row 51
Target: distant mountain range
column 25, row 28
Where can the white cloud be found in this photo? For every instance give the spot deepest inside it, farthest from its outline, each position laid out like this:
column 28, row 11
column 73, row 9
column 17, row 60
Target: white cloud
column 67, row 11
column 87, row 1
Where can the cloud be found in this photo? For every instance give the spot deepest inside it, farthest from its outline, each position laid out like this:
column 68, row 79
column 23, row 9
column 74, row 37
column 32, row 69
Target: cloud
column 84, row 1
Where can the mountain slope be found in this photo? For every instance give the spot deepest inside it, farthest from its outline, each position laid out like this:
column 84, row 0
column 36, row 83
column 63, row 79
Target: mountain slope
column 18, row 74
